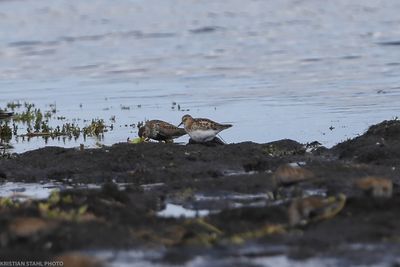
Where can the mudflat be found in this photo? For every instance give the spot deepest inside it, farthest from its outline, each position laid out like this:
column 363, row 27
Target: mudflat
column 252, row 200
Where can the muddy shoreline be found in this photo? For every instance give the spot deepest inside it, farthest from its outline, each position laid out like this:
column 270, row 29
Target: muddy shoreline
column 249, row 190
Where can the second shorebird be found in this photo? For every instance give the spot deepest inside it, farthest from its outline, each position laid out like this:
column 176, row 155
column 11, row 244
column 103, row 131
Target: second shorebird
column 160, row 131
column 202, row 130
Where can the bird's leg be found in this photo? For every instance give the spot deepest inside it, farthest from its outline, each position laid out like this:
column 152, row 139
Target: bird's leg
column 221, row 139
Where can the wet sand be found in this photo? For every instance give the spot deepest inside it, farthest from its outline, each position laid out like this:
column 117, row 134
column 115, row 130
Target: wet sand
column 247, row 190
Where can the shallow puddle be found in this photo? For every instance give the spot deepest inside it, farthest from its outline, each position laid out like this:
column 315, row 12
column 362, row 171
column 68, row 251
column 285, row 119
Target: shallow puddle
column 126, row 258
column 225, row 200
column 24, row 191
column 177, row 211
column 297, row 164
column 203, row 204
column 238, row 172
column 231, row 196
column 250, row 255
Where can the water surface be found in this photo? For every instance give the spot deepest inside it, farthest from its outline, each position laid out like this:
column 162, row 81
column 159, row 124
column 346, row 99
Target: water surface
column 274, row 69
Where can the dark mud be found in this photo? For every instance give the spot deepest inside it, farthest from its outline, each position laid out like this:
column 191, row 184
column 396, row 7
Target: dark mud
column 249, row 188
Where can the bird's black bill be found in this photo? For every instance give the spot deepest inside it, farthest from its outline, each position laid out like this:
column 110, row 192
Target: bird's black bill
column 140, row 132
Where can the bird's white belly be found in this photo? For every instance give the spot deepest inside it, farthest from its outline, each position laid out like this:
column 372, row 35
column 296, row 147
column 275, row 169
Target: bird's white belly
column 203, row 135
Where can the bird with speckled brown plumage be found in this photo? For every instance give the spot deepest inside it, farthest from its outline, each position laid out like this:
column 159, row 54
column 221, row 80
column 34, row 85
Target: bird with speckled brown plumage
column 202, row 130
column 160, row 130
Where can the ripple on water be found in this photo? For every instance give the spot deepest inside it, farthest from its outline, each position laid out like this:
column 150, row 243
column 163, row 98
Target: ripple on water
column 390, row 43
column 231, row 62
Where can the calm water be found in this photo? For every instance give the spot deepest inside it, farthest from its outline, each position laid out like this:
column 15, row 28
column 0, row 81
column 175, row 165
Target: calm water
column 274, row 69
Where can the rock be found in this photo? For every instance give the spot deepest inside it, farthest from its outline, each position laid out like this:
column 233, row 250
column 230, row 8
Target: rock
column 28, row 226
column 379, row 145
column 375, row 186
column 287, row 174
column 315, row 208
column 74, row 259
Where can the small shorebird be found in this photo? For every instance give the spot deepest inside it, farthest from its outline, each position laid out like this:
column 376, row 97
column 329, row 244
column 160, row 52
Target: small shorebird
column 160, row 131
column 202, row 130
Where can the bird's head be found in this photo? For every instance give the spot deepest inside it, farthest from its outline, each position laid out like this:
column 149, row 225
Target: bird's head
column 143, row 132
column 186, row 120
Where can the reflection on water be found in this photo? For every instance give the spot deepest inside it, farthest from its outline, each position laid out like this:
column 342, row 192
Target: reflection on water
column 280, row 69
